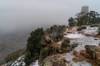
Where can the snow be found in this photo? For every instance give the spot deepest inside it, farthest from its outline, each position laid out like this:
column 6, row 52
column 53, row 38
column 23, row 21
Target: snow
column 83, row 63
column 19, row 62
column 36, row 63
column 74, row 35
column 79, row 48
column 86, row 41
column 75, row 64
column 91, row 30
column 82, row 41
column 69, row 56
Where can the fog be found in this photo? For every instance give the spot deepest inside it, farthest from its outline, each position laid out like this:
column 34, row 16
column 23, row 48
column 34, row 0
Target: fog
column 23, row 14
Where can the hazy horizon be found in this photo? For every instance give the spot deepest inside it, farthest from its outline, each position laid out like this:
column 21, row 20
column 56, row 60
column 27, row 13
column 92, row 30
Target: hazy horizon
column 22, row 14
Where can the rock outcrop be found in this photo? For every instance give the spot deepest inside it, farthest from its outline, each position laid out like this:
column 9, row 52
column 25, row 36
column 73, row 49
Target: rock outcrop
column 54, row 60
column 94, row 54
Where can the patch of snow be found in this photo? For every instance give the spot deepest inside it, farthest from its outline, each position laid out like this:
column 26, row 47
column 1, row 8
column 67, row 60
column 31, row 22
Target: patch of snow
column 82, row 41
column 91, row 30
column 69, row 56
column 83, row 63
column 86, row 41
column 74, row 35
column 79, row 48
column 75, row 64
column 19, row 62
column 36, row 63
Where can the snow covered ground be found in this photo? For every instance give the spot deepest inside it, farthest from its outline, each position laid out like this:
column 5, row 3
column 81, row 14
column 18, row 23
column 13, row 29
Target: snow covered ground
column 82, row 41
column 74, row 35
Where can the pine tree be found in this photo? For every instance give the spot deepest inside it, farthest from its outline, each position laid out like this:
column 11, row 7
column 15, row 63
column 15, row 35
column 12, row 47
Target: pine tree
column 33, row 46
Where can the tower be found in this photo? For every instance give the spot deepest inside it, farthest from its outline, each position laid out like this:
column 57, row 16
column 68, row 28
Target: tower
column 85, row 9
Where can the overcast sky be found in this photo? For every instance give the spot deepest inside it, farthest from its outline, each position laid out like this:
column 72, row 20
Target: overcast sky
column 18, row 14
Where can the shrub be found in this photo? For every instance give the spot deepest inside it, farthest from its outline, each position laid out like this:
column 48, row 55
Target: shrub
column 14, row 55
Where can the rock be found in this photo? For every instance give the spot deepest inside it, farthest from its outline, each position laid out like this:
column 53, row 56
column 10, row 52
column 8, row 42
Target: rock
column 54, row 60
column 97, row 48
column 94, row 53
column 90, row 49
